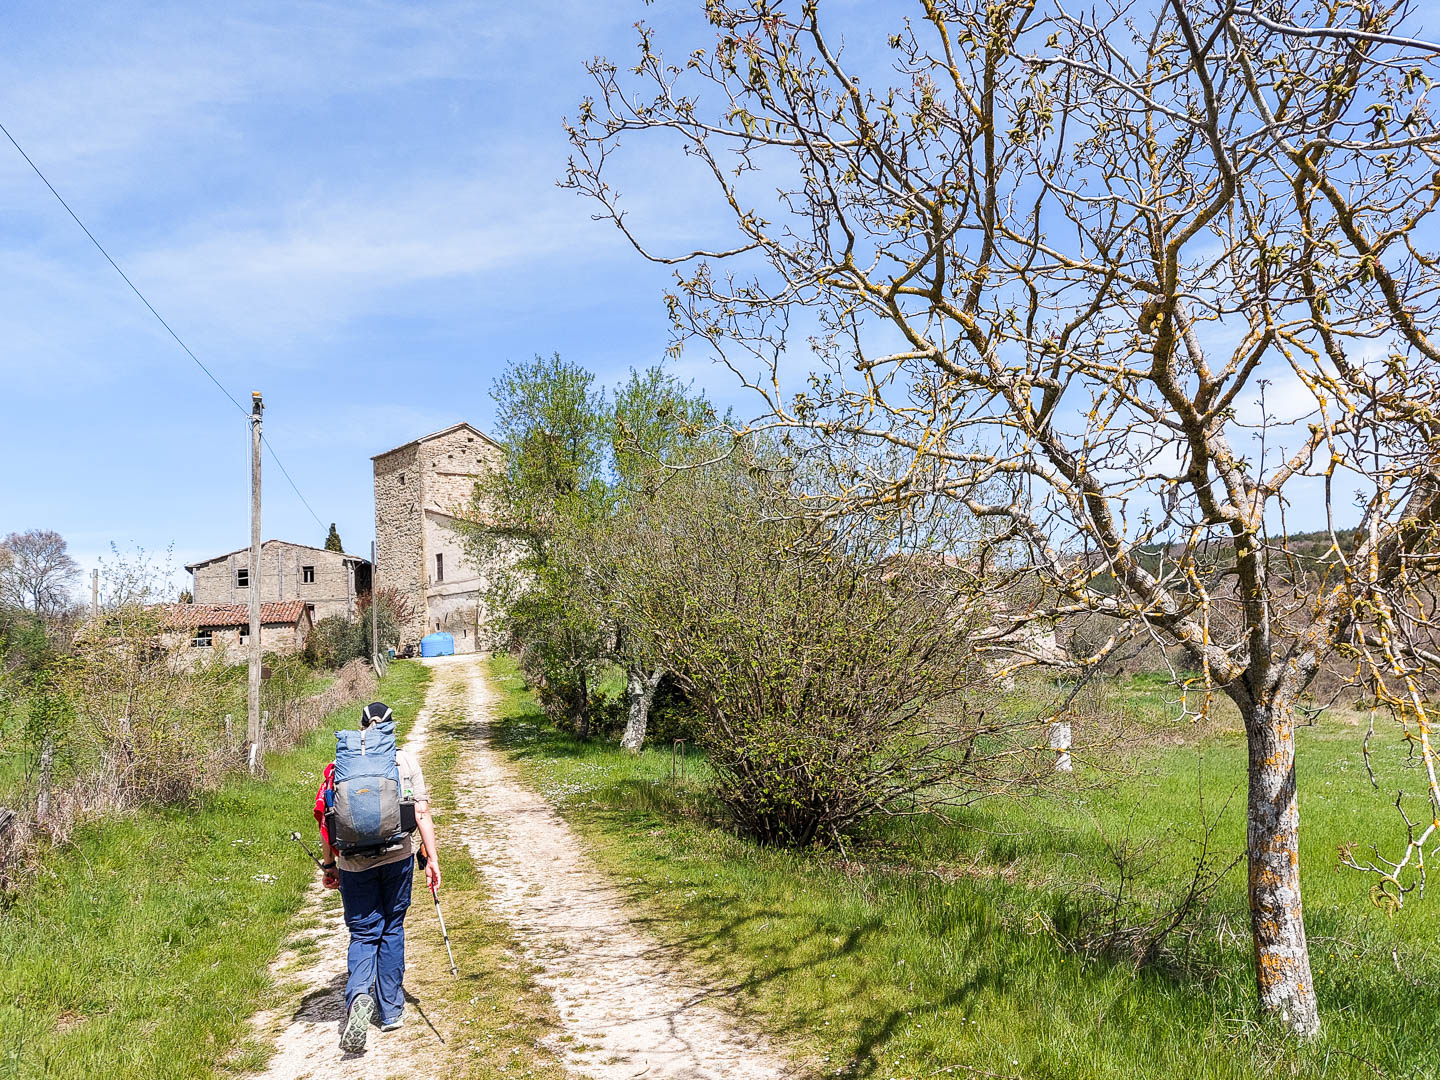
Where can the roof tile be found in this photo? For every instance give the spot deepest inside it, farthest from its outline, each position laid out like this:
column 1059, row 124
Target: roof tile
column 189, row 616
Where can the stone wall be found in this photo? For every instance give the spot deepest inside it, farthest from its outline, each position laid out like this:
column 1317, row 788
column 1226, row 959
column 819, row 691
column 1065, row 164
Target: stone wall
column 282, row 577
column 452, row 463
column 422, row 552
column 454, row 602
column 227, row 644
column 400, row 533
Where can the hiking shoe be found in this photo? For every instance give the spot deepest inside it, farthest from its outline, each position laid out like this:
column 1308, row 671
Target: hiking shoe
column 392, row 1025
column 361, row 1011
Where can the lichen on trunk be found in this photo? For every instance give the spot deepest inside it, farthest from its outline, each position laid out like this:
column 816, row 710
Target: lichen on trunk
column 1272, row 834
column 640, row 687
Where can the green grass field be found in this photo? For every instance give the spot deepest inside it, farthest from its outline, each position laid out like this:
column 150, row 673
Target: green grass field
column 141, row 948
column 931, row 947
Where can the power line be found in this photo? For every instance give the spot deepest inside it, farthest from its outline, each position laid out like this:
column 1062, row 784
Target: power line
column 150, row 307
column 276, row 458
column 123, row 275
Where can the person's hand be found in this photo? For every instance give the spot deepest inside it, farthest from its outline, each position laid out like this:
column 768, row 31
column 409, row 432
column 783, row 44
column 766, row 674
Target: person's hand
column 331, row 878
column 432, row 875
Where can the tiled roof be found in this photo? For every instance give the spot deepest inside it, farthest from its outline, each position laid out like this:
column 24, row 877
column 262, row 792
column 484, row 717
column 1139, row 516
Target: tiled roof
column 189, row 616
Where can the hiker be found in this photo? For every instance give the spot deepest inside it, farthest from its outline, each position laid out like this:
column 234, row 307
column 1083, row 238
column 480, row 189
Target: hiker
column 370, row 803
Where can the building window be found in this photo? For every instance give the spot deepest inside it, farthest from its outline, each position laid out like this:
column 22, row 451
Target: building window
column 310, row 608
column 307, row 575
column 402, row 479
column 203, row 639
column 242, row 577
column 244, row 635
column 439, row 568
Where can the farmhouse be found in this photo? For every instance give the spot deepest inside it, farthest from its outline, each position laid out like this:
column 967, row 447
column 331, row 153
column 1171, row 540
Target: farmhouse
column 420, row 489
column 208, row 628
column 326, row 582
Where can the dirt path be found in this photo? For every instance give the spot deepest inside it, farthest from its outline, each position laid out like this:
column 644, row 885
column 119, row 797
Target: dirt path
column 626, row 1011
column 307, row 1029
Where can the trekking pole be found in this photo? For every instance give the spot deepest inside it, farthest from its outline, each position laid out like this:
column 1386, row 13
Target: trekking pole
column 296, row 837
column 439, row 915
column 435, row 896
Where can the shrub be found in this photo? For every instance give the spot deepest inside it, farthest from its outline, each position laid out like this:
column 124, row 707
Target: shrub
column 561, row 646
column 337, row 639
column 334, row 641
column 355, row 681
column 827, row 675
column 672, row 714
column 28, row 645
column 146, row 723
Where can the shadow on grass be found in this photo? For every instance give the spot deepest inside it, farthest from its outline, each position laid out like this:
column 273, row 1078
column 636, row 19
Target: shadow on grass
column 531, row 735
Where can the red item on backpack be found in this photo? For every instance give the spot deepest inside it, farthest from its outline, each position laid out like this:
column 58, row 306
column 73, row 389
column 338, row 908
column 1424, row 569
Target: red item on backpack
column 325, row 785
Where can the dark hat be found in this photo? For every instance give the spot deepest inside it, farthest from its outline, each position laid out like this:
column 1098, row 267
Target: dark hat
column 375, row 712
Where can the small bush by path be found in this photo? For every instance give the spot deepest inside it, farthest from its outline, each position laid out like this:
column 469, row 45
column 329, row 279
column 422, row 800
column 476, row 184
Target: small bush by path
column 939, row 948
column 141, row 948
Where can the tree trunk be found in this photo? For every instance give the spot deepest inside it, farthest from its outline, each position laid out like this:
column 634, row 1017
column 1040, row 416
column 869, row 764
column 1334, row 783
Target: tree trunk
column 1277, row 922
column 639, row 693
column 582, row 716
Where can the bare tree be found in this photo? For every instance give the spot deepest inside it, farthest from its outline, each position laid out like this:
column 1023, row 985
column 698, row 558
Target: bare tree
column 1129, row 281
column 38, row 571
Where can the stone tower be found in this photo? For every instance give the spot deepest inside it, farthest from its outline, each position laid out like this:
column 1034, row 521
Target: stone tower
column 419, row 489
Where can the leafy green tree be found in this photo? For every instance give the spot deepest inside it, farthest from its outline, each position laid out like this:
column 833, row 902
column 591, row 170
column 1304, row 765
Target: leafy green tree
column 336, row 640
column 552, row 422
column 332, row 542
column 658, row 426
column 574, row 457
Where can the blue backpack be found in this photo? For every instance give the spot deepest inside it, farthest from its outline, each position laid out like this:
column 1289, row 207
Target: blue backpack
column 365, row 816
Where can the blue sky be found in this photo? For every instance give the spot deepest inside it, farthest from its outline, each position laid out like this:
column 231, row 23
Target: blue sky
column 349, row 206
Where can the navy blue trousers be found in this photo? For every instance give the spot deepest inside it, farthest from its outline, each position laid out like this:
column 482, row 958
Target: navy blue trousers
column 375, row 904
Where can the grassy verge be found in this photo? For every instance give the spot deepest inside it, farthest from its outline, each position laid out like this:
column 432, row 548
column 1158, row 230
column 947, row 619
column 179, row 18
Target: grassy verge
column 931, row 948
column 493, row 1017
column 142, row 948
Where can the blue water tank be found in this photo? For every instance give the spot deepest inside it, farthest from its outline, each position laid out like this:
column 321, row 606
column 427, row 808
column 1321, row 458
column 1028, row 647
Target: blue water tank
column 441, row 644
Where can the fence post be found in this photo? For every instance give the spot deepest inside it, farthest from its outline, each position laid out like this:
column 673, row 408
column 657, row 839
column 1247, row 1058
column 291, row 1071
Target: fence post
column 47, row 769
column 1060, row 742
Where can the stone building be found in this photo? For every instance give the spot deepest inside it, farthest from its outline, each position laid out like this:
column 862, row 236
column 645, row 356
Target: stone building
column 205, row 630
column 326, row 582
column 419, row 489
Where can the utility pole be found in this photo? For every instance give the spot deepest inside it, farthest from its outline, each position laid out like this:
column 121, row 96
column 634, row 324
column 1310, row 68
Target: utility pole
column 374, row 612
column 252, row 727
column 95, row 593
